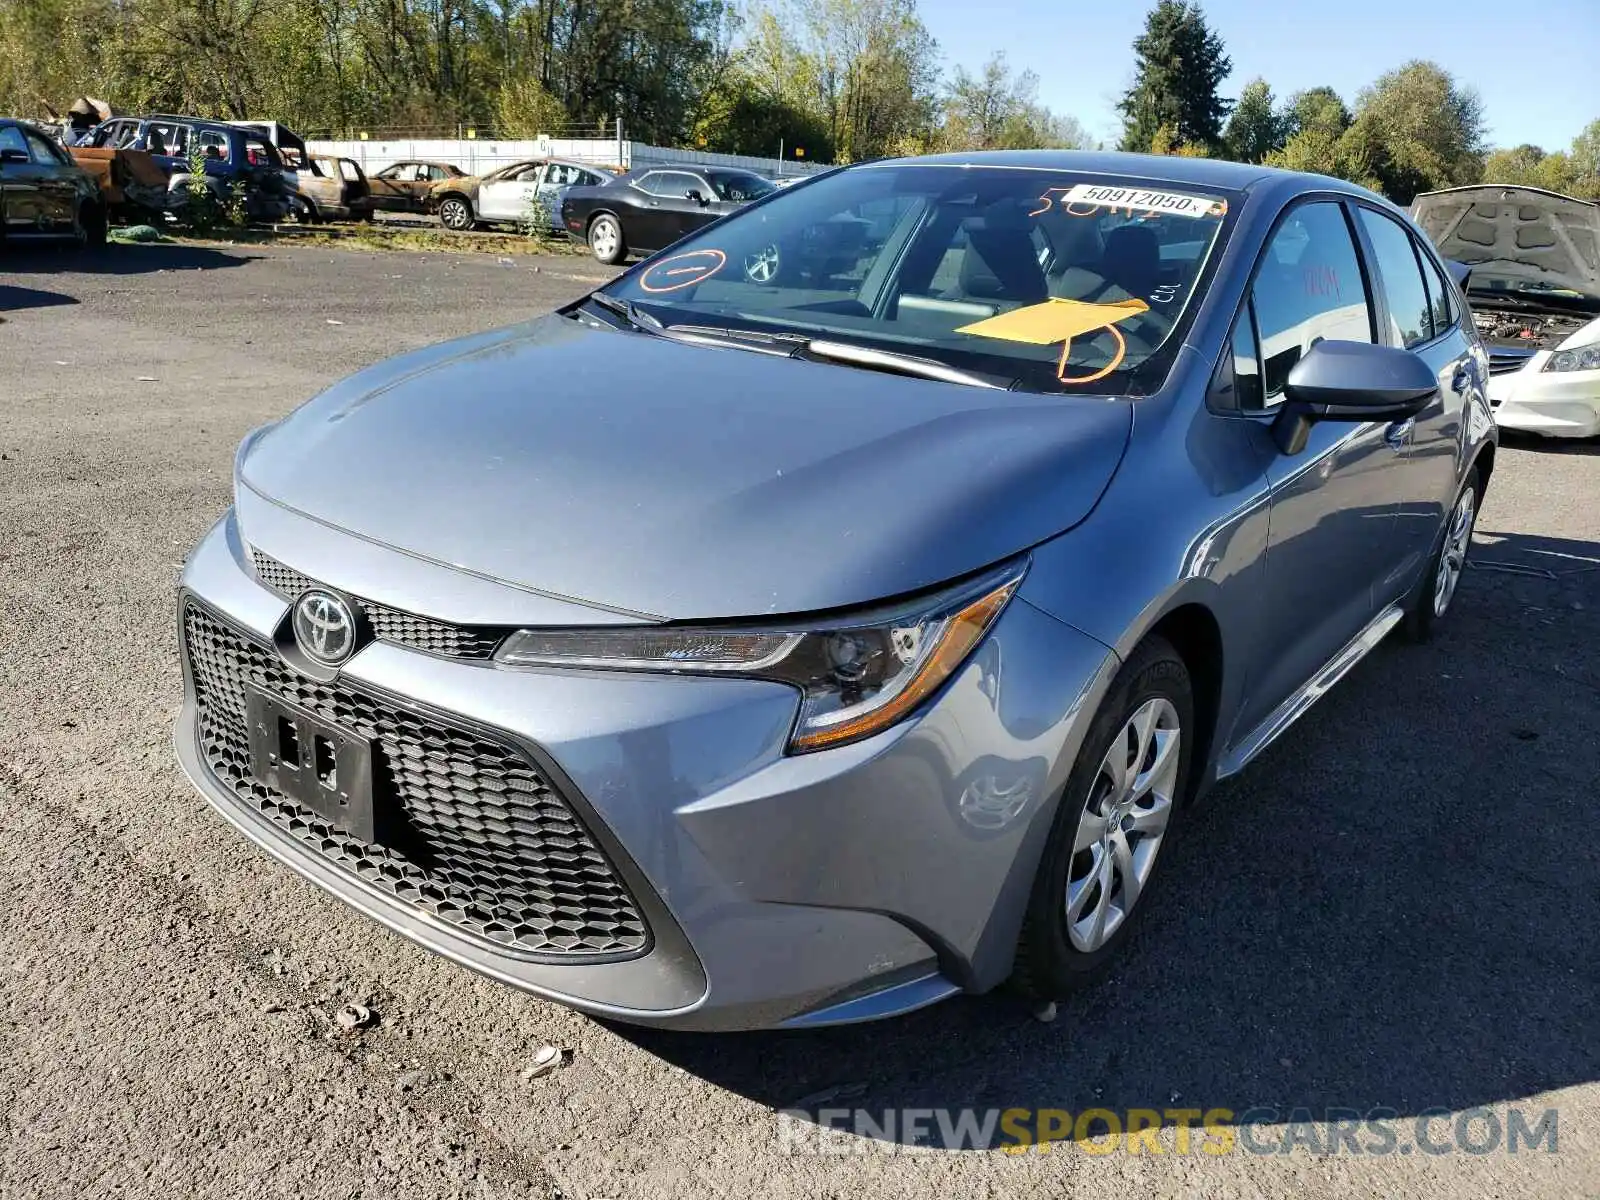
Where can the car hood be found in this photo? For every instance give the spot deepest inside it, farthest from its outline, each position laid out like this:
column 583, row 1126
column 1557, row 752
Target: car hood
column 467, row 185
column 1517, row 236
column 685, row 482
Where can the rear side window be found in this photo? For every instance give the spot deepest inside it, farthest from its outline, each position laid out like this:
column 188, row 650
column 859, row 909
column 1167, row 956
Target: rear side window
column 1439, row 306
column 1309, row 287
column 213, row 145
column 1410, row 319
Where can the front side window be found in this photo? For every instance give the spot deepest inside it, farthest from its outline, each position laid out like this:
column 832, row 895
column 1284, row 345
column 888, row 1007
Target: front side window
column 1245, row 366
column 11, row 139
column 44, row 153
column 1308, row 287
column 1054, row 281
column 671, row 185
column 1410, row 319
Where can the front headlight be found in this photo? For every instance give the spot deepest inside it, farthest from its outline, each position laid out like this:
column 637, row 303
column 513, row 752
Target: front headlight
column 856, row 676
column 1579, row 358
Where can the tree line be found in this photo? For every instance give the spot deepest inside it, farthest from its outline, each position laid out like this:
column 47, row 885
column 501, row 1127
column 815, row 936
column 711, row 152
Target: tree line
column 832, row 80
column 840, row 80
column 1414, row 129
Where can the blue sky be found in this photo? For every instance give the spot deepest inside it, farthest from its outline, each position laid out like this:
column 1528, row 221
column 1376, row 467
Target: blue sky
column 1535, row 62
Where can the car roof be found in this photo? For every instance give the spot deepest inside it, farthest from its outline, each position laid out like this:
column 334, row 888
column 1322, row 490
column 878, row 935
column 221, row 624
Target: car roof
column 198, row 122
column 1168, row 168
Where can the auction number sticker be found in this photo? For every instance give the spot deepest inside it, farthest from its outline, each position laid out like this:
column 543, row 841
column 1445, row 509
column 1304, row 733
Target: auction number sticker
column 1175, row 204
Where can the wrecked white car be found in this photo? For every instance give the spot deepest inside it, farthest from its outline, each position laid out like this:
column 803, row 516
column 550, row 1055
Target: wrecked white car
column 1535, row 292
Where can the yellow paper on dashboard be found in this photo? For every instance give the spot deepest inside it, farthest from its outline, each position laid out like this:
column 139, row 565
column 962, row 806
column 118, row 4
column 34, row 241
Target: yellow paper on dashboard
column 1056, row 320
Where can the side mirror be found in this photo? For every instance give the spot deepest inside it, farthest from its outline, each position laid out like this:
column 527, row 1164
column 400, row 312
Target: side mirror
column 698, row 198
column 1351, row 381
column 14, row 158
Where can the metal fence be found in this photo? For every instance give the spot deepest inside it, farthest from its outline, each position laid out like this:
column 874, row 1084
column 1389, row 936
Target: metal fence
column 477, row 156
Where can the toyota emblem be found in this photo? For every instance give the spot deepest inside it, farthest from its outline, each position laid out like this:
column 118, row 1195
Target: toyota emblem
column 324, row 628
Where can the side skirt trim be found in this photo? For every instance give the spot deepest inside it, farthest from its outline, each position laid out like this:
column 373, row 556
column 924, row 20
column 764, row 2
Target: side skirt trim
column 1293, row 708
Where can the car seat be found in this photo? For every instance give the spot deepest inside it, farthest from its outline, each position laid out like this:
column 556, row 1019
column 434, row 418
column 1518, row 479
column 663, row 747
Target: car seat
column 1001, row 264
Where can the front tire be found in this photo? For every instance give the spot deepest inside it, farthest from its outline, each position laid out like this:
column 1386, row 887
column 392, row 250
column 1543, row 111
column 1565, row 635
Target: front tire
column 1122, row 802
column 92, row 226
column 1437, row 590
column 605, row 240
column 455, row 213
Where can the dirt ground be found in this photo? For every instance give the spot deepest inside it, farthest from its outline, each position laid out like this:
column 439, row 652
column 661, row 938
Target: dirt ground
column 1397, row 906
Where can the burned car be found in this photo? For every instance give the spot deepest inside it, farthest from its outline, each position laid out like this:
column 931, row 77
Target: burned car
column 134, row 184
column 231, row 155
column 331, row 189
column 1534, row 258
column 43, row 194
column 515, row 194
column 404, row 186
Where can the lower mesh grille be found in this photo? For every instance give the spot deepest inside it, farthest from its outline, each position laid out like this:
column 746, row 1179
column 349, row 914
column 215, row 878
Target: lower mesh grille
column 391, row 624
column 473, row 833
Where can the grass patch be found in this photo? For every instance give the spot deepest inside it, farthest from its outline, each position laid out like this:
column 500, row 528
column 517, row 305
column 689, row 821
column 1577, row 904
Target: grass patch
column 381, row 238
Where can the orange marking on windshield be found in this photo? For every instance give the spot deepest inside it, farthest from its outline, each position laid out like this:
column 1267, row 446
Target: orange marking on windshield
column 706, row 264
column 1060, row 320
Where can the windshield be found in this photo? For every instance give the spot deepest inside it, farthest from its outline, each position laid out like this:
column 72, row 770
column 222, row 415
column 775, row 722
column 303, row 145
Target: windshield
column 1052, row 281
column 739, row 186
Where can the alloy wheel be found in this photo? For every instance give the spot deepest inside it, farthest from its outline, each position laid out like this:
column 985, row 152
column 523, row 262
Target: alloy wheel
column 762, row 266
column 455, row 215
column 1453, row 554
column 603, row 239
column 1123, row 824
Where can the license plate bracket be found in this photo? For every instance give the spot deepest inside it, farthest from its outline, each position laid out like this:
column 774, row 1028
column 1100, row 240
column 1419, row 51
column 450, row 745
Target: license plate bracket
column 312, row 762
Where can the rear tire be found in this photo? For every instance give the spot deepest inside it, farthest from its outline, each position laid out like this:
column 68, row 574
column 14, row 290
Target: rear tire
column 1436, row 591
column 1122, row 802
column 605, row 240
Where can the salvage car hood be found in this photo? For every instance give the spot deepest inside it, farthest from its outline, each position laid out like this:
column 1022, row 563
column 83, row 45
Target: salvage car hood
column 1518, row 240
column 678, row 481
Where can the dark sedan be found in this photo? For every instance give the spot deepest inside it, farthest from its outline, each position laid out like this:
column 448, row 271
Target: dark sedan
column 43, row 194
column 648, row 209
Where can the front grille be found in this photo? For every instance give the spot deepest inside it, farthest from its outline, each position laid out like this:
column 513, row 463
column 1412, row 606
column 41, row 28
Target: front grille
column 472, row 831
column 391, row 624
column 1504, row 362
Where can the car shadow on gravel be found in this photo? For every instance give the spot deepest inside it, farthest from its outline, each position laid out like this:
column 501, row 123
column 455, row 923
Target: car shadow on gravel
column 1511, row 439
column 15, row 299
column 118, row 260
column 1395, row 907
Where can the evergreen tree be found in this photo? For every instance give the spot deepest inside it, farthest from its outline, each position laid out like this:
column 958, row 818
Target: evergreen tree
column 1180, row 63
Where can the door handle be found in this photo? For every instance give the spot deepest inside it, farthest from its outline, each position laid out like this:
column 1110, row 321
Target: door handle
column 1398, row 435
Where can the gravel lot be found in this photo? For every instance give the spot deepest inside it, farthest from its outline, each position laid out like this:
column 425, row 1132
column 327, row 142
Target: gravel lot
column 1397, row 906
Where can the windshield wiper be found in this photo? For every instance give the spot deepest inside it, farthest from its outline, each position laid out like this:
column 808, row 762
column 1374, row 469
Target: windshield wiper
column 798, row 345
column 895, row 363
column 636, row 317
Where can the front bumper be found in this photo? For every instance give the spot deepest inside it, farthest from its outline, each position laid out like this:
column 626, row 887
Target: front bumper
column 1553, row 403
column 838, row 886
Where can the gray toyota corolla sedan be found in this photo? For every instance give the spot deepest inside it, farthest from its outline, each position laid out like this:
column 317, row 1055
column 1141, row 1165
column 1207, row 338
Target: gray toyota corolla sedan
column 841, row 609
